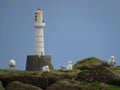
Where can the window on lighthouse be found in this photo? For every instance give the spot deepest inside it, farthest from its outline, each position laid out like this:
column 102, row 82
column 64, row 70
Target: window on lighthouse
column 35, row 17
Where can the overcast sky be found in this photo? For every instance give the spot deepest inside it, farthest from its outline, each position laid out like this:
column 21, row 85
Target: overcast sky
column 75, row 29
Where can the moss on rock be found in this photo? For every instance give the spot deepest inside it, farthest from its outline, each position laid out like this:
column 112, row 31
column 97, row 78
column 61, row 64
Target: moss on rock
column 87, row 74
column 15, row 85
column 89, row 63
column 65, row 85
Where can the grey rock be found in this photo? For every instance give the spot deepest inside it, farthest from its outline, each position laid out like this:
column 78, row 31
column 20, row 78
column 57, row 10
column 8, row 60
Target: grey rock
column 15, row 85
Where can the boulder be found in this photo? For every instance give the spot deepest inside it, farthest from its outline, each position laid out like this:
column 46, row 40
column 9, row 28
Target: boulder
column 90, row 63
column 65, row 85
column 93, row 69
column 15, row 85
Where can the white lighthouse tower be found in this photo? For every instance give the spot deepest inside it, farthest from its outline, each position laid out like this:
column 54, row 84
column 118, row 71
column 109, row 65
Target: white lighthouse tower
column 39, row 25
column 39, row 60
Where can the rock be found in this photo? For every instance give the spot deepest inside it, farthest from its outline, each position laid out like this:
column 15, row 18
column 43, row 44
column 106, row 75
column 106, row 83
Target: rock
column 1, row 86
column 42, row 81
column 65, row 85
column 15, row 85
column 93, row 69
column 89, row 63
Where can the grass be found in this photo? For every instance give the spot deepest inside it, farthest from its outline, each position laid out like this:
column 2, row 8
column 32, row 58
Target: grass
column 18, row 72
column 65, row 79
column 116, row 69
column 75, row 85
column 53, row 72
column 89, row 60
column 104, row 86
column 97, row 86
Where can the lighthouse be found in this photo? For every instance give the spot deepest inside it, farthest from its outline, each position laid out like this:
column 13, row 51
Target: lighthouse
column 39, row 25
column 37, row 61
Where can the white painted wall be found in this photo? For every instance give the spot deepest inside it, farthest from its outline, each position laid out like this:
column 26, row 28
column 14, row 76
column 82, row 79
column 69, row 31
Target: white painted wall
column 39, row 33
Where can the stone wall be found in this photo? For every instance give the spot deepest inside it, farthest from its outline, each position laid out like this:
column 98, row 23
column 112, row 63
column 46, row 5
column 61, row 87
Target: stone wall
column 35, row 63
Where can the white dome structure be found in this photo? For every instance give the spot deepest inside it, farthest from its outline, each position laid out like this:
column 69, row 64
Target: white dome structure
column 12, row 63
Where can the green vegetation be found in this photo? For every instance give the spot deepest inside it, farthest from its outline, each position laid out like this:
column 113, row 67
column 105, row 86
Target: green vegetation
column 89, row 63
column 116, row 69
column 100, row 86
column 18, row 72
column 88, row 74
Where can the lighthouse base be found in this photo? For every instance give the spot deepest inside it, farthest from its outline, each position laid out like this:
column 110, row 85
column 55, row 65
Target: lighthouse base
column 35, row 63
